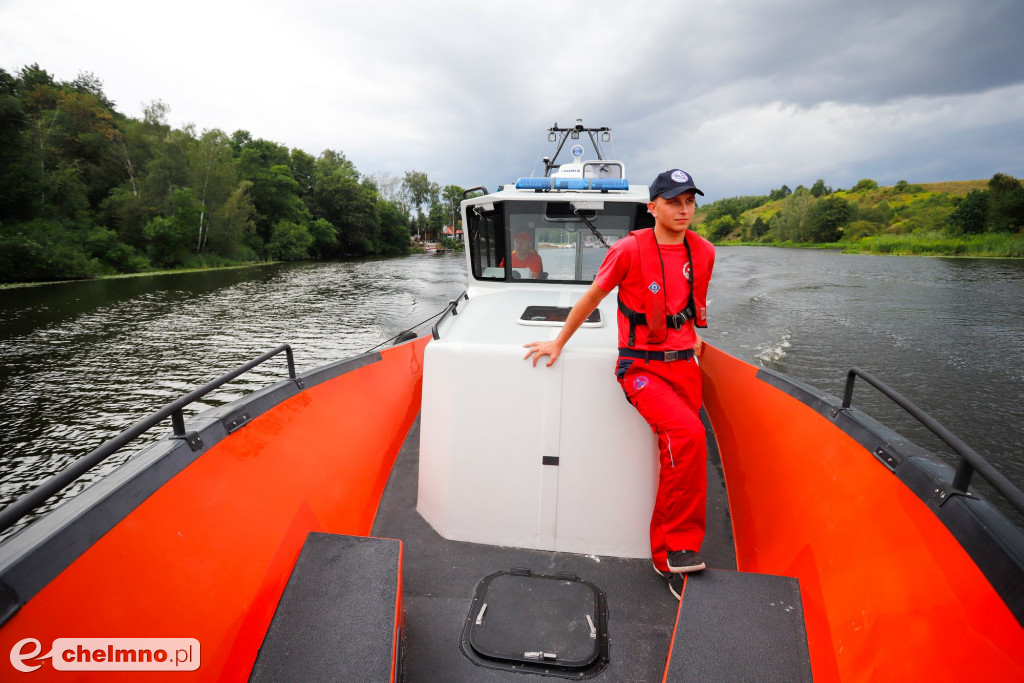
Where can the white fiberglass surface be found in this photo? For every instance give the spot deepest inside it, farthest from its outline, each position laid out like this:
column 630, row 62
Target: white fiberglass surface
column 548, row 457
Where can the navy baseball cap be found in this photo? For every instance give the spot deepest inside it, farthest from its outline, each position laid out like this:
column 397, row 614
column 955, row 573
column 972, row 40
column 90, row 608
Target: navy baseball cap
column 672, row 183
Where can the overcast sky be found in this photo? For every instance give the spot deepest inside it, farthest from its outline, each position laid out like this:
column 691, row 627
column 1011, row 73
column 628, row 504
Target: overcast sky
column 745, row 95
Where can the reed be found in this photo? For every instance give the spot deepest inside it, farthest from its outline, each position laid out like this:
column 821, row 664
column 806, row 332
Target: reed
column 992, row 245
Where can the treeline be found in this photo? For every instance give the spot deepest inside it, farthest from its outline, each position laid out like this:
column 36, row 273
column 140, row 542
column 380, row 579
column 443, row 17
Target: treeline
column 86, row 190
column 820, row 214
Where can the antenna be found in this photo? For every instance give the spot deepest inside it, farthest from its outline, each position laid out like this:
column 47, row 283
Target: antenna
column 560, row 135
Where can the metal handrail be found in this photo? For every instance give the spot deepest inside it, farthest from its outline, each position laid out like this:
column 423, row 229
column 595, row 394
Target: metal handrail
column 452, row 308
column 970, row 460
column 11, row 514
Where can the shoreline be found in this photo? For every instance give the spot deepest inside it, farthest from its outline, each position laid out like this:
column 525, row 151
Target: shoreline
column 121, row 276
column 861, row 251
column 901, row 246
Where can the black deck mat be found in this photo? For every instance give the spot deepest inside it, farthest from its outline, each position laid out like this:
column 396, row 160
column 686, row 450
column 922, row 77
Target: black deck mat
column 441, row 576
column 340, row 585
column 765, row 640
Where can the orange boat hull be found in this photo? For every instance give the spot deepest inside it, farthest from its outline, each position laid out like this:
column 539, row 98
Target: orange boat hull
column 208, row 554
column 888, row 592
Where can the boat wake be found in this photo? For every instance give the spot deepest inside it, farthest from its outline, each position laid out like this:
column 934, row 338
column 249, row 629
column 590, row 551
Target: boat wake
column 775, row 352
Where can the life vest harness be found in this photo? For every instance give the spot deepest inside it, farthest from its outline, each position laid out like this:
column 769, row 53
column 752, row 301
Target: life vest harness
column 656, row 298
column 674, row 322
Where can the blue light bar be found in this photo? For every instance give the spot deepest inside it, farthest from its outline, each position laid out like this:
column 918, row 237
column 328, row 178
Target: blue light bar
column 609, row 184
column 533, row 184
column 602, row 184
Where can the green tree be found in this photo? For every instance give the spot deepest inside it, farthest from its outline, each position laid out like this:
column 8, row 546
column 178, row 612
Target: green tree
column 826, row 219
column 437, row 218
column 303, row 166
column 421, row 192
column 733, row 206
column 451, row 199
column 289, row 241
column 820, row 189
column 971, row 214
column 347, row 203
column 103, row 244
column 394, row 228
column 865, row 185
column 41, row 250
column 720, row 228
column 1006, row 203
column 790, row 223
column 15, row 170
column 170, row 238
column 757, row 229
column 127, row 211
column 211, row 174
column 273, row 191
column 881, row 213
column 233, row 227
column 325, row 238
column 69, row 133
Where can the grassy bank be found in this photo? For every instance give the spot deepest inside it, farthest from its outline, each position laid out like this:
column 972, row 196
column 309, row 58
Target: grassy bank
column 992, row 245
column 120, row 276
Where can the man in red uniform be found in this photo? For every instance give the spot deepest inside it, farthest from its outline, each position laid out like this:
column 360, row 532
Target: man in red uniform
column 662, row 275
column 524, row 256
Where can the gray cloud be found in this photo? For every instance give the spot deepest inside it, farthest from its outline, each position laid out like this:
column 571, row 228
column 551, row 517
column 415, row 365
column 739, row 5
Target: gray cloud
column 748, row 95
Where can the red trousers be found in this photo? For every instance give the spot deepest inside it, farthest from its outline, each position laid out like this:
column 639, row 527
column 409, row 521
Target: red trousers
column 668, row 395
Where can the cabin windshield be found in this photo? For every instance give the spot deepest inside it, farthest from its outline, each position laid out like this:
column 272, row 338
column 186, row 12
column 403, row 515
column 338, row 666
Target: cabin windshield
column 547, row 241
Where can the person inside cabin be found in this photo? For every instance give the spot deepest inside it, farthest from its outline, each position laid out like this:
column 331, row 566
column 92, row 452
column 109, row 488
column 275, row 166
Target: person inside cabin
column 525, row 256
column 662, row 274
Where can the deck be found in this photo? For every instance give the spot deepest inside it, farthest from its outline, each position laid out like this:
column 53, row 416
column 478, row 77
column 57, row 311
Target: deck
column 441, row 576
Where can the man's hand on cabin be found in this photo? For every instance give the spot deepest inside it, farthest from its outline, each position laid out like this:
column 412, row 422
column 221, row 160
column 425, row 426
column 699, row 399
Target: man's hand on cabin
column 547, row 348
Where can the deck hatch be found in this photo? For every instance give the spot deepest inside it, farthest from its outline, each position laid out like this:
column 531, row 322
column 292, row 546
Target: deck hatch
column 555, row 316
column 535, row 623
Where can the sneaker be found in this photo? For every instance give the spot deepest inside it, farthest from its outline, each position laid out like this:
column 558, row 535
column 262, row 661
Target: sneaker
column 675, row 582
column 684, row 561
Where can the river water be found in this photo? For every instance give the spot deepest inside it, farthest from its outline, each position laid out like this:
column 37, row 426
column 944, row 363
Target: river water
column 80, row 362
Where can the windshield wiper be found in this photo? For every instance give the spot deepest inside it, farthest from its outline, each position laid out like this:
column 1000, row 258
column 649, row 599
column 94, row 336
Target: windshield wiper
column 591, row 226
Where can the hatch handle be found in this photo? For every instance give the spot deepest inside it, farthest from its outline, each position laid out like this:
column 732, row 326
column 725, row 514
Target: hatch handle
column 547, row 656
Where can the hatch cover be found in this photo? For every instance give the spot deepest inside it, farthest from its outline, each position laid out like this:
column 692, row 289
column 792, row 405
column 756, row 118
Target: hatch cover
column 556, row 625
column 555, row 316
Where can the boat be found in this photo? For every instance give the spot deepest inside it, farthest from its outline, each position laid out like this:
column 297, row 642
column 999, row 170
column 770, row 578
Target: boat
column 439, row 509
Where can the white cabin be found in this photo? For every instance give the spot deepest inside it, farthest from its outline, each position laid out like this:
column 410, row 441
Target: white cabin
column 527, row 457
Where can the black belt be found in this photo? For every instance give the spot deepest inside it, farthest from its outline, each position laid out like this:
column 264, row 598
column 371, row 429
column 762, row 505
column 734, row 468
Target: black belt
column 664, row 356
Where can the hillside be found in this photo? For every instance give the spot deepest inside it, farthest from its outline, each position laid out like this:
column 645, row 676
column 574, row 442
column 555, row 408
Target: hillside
column 965, row 217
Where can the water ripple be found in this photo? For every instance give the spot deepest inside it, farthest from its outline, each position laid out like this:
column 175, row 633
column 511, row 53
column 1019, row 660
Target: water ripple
column 80, row 363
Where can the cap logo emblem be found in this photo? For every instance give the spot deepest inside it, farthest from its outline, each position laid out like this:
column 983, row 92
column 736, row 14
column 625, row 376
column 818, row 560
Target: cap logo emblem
column 680, row 177
column 654, row 287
